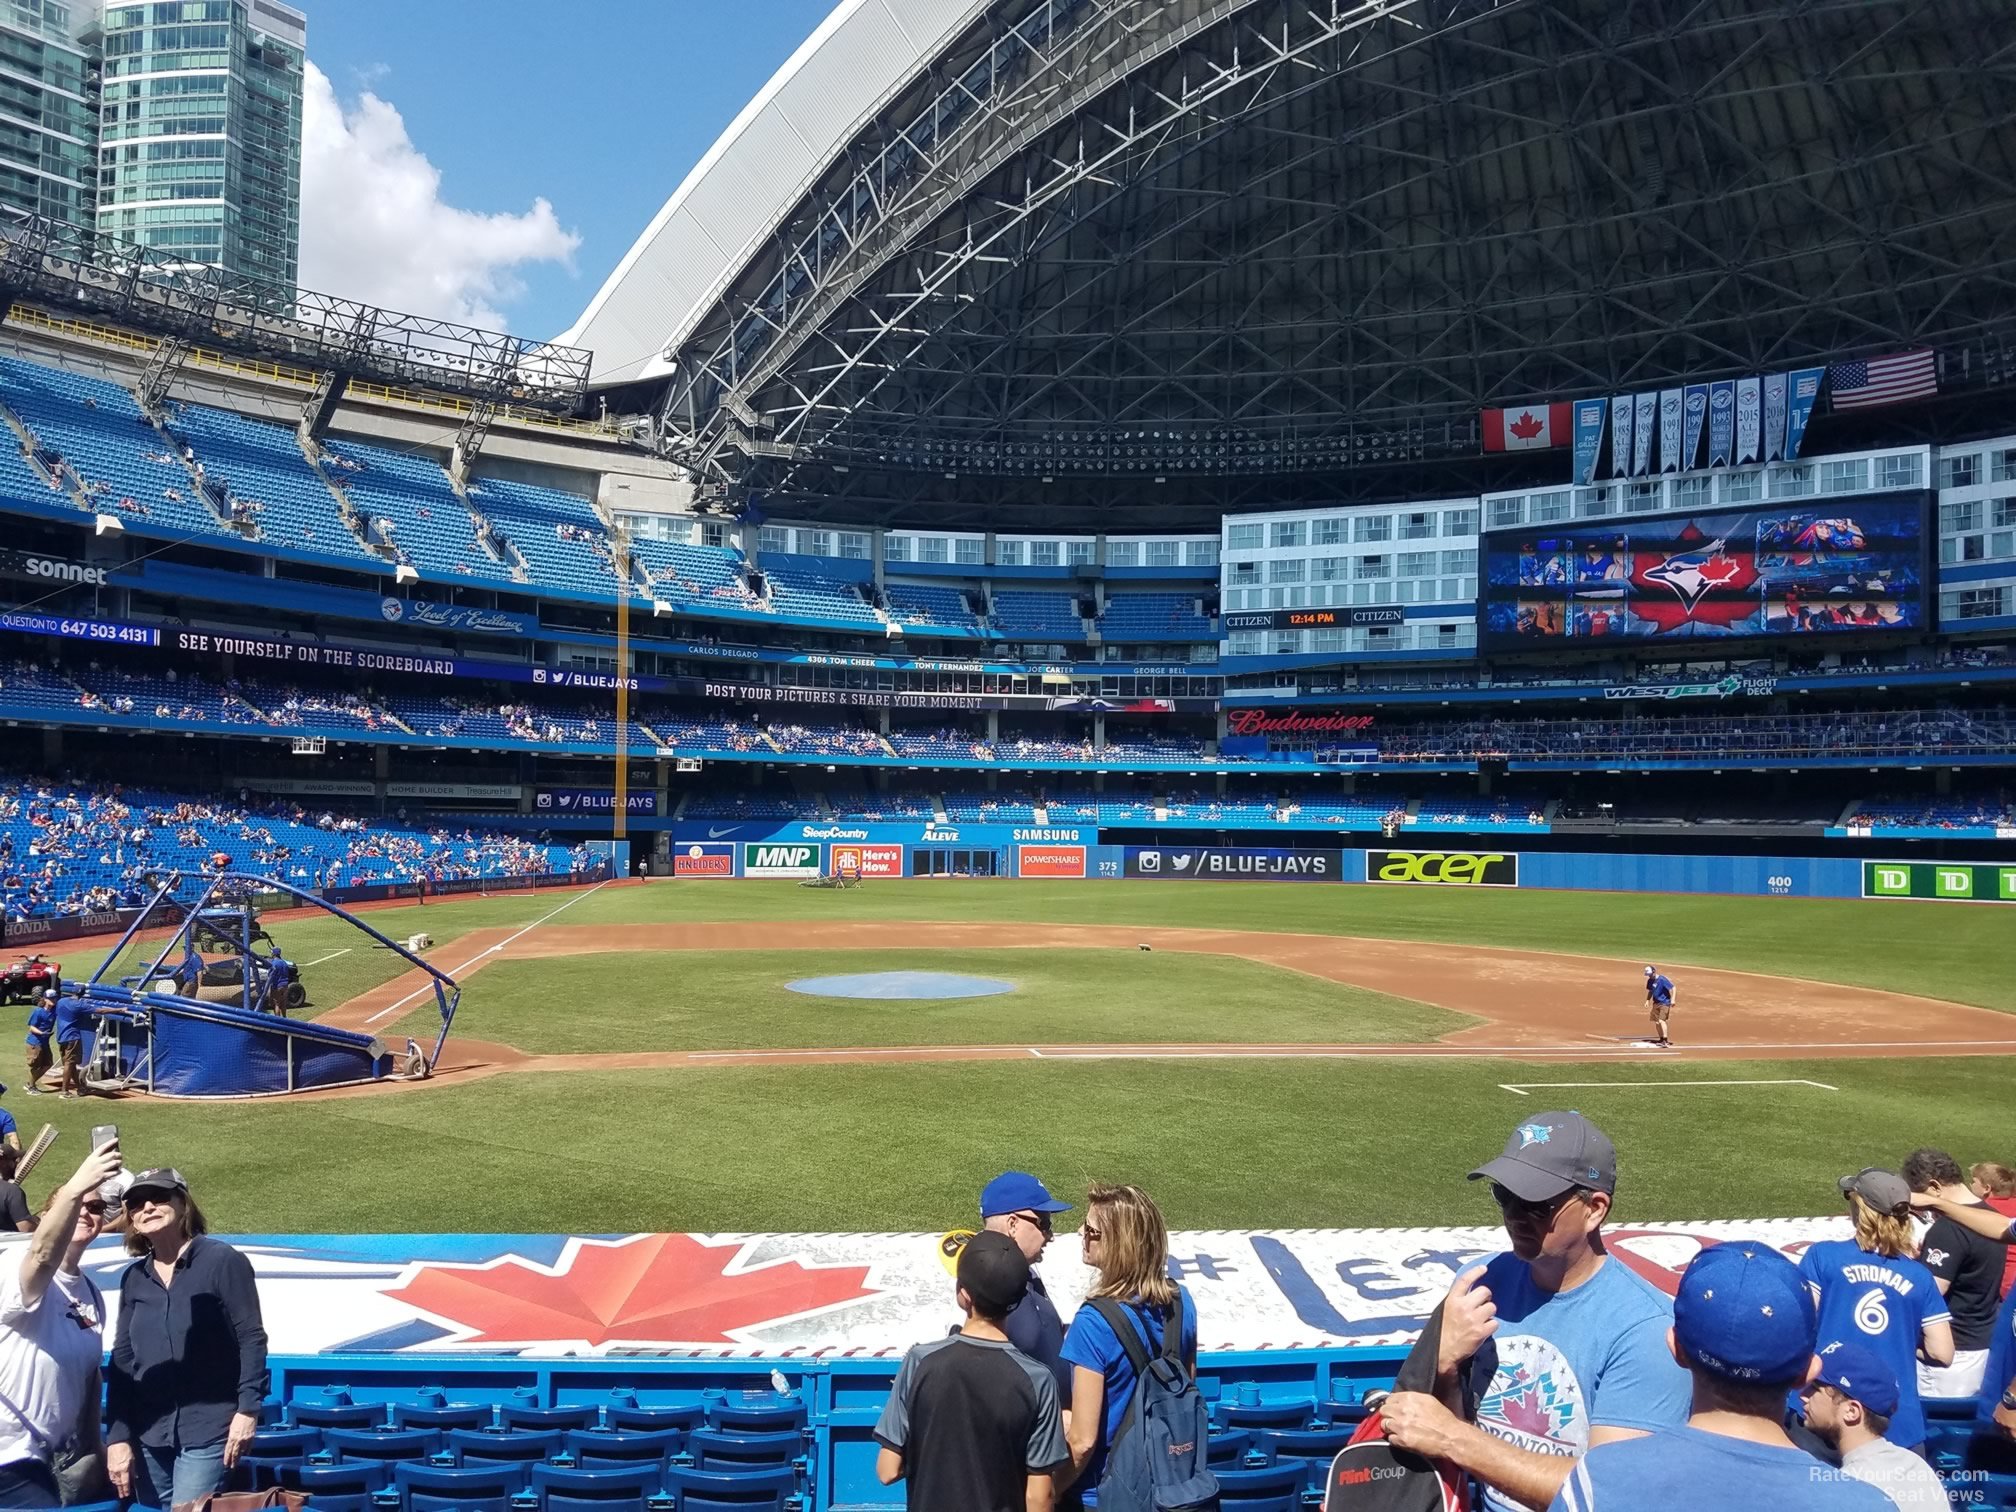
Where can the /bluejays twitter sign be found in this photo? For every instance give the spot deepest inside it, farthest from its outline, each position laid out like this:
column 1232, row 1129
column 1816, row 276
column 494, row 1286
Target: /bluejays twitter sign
column 1811, row 566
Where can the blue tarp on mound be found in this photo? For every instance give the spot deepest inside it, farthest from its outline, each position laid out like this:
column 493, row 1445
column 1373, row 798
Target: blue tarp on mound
column 916, row 985
column 213, row 1050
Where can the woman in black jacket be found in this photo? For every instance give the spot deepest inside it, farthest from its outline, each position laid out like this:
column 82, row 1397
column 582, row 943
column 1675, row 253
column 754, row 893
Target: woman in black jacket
column 189, row 1364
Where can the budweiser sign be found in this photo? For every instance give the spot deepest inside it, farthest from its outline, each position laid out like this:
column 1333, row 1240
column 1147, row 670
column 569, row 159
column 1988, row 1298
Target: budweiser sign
column 1260, row 722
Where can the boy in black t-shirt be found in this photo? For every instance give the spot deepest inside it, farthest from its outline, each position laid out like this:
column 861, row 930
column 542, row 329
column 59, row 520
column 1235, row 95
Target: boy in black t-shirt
column 972, row 1423
column 1968, row 1268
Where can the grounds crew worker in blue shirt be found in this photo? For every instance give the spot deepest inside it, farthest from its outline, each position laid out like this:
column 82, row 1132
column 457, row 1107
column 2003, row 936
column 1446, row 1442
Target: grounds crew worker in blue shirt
column 1018, row 1205
column 1564, row 1348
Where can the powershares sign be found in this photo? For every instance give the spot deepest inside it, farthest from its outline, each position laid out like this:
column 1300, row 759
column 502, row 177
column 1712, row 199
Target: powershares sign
column 781, row 860
column 1212, row 863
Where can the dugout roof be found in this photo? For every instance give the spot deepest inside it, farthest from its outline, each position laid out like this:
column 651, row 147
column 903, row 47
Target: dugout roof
column 1099, row 240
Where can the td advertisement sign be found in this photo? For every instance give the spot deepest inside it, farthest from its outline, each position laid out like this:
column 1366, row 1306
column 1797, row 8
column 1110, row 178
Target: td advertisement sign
column 1947, row 881
column 1443, row 868
column 1213, row 863
column 781, row 860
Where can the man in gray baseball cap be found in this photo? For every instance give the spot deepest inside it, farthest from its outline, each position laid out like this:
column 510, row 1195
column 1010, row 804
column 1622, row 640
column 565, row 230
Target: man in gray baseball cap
column 1561, row 1346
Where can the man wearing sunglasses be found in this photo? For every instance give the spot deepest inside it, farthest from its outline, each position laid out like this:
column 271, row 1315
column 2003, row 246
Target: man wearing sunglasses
column 1560, row 1346
column 1018, row 1205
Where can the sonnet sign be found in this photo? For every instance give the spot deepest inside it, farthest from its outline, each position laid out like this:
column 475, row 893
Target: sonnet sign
column 1261, row 722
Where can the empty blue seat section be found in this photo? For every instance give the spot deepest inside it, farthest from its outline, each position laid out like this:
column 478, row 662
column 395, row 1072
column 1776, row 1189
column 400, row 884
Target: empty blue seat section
column 990, row 808
column 919, row 604
column 702, row 1490
column 98, row 429
column 423, row 520
column 267, row 476
column 800, row 587
column 1037, row 616
column 441, row 1488
column 696, row 577
column 558, row 534
column 1154, row 616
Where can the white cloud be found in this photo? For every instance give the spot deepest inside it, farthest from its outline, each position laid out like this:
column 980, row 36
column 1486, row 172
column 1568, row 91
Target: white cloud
column 375, row 228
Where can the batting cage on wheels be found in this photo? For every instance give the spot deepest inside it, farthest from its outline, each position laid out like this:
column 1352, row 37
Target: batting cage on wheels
column 218, row 987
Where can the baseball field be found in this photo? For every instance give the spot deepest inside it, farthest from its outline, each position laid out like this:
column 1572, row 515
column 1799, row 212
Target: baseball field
column 631, row 1058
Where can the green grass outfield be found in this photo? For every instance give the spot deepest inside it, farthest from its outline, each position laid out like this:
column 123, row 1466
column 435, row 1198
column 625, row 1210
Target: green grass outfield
column 1221, row 1144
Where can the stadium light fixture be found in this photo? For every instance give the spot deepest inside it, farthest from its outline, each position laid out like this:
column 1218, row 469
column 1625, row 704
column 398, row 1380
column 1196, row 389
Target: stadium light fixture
column 104, row 524
column 405, row 574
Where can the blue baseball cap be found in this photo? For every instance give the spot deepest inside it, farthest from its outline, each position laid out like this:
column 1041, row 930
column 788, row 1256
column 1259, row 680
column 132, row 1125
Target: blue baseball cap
column 1018, row 1192
column 1745, row 1313
column 1859, row 1375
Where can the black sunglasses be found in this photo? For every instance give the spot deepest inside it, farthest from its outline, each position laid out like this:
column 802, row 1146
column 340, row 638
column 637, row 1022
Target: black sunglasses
column 1039, row 1221
column 96, row 1209
column 1513, row 1206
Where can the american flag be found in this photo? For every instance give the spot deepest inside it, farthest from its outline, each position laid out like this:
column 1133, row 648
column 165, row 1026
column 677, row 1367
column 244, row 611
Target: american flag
column 1883, row 380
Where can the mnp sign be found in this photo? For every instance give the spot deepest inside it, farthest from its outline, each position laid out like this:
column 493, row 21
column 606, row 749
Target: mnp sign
column 1444, row 868
column 780, row 860
column 1945, row 881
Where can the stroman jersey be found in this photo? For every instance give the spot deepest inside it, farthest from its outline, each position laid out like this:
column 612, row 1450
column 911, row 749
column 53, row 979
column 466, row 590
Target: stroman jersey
column 1884, row 1303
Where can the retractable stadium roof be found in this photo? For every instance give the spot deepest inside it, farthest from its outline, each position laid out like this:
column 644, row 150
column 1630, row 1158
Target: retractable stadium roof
column 1117, row 241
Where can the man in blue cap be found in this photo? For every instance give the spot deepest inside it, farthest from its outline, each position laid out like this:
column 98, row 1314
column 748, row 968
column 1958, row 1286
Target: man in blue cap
column 1849, row 1405
column 1018, row 1205
column 1744, row 1325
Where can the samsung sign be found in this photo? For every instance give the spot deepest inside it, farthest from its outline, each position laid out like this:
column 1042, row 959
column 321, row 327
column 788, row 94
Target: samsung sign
column 1316, row 619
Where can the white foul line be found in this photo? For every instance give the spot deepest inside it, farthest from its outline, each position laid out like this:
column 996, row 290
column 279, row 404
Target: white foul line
column 423, row 991
column 329, row 957
column 1521, row 1089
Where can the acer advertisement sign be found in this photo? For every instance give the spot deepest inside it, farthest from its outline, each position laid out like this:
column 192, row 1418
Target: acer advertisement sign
column 1443, row 868
column 1841, row 566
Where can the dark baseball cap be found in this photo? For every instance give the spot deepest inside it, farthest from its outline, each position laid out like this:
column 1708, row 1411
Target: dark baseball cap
column 1550, row 1153
column 1885, row 1191
column 993, row 1272
column 1860, row 1376
column 1743, row 1312
column 159, row 1179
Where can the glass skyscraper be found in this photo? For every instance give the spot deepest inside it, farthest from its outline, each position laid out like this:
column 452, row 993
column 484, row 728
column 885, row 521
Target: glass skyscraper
column 199, row 129
column 48, row 113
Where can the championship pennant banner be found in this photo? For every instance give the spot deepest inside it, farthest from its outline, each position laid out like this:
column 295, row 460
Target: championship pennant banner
column 813, row 1295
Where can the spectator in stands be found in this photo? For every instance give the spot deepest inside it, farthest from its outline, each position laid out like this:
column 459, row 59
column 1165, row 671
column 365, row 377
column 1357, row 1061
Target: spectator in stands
column 972, row 1422
column 187, row 1381
column 1018, row 1205
column 1743, row 1328
column 1995, row 1184
column 52, row 1322
column 1873, row 1279
column 1556, row 1314
column 1848, row 1404
column 1125, row 1240
column 1968, row 1268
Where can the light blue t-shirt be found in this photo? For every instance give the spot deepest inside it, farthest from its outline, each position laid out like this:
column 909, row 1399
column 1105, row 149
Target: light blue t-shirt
column 1708, row 1472
column 1564, row 1362
column 1095, row 1346
column 1885, row 1303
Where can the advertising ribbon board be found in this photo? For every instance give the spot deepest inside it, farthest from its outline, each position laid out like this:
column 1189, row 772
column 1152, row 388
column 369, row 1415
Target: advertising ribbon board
column 1944, row 881
column 1443, row 868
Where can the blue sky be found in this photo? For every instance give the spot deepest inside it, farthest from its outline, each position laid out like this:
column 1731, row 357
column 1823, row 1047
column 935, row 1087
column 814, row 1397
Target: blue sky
column 598, row 107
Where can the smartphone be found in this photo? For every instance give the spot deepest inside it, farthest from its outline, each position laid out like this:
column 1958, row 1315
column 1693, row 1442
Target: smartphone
column 104, row 1134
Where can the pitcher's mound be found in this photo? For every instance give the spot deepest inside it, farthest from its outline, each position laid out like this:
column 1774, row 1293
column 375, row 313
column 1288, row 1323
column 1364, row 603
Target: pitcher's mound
column 901, row 984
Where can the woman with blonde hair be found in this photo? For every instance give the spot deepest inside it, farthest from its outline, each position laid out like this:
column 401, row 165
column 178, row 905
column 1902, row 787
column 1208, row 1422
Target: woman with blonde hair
column 1872, row 1289
column 1125, row 1240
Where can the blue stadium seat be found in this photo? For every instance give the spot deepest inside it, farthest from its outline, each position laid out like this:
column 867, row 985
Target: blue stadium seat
column 605, row 1449
column 1269, row 1488
column 339, row 1488
column 273, row 1452
column 381, row 1444
column 558, row 1418
column 634, row 1419
column 562, row 1488
column 335, row 1415
column 719, row 1491
column 1227, row 1447
column 716, row 1450
column 459, row 1415
column 1266, row 1414
column 766, row 1415
column 1312, row 1448
column 526, row 1446
column 442, row 1488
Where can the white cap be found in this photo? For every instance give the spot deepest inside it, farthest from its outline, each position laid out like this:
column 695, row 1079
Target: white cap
column 1651, row 971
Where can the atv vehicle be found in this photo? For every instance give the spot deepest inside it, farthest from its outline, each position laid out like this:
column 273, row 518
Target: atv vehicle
column 20, row 982
column 223, row 945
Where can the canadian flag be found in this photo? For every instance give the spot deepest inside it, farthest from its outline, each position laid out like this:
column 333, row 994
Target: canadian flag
column 1535, row 427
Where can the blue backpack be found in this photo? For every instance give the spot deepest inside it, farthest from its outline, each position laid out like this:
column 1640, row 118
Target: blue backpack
column 1157, row 1461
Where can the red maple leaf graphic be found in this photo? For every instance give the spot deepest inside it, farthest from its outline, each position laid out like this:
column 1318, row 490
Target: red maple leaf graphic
column 1525, row 1413
column 1619, row 1242
column 665, row 1289
column 1666, row 610
column 1526, row 427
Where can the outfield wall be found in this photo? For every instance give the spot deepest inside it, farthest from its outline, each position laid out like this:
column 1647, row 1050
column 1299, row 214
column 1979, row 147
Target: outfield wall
column 806, row 850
